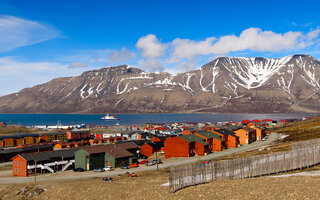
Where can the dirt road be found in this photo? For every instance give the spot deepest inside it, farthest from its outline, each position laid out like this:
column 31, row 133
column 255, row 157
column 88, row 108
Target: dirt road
column 69, row 175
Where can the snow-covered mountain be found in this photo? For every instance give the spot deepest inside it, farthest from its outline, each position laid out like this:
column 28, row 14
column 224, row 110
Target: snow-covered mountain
column 227, row 84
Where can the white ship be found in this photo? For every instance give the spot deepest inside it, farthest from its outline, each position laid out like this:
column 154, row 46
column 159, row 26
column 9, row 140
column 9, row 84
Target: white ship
column 109, row 117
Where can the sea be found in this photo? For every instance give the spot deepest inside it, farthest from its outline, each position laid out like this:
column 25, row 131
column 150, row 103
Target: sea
column 138, row 119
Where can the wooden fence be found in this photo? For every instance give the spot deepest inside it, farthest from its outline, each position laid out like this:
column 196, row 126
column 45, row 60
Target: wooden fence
column 302, row 155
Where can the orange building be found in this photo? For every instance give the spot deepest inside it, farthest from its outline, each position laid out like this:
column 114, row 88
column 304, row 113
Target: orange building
column 207, row 137
column 218, row 144
column 246, row 135
column 79, row 134
column 260, row 132
column 19, row 166
column 232, row 140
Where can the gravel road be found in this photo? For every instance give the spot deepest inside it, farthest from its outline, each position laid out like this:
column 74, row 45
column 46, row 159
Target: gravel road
column 69, row 175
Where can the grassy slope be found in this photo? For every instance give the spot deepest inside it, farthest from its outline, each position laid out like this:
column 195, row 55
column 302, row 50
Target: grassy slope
column 10, row 129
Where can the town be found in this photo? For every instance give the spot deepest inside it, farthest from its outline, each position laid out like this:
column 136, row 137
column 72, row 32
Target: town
column 84, row 149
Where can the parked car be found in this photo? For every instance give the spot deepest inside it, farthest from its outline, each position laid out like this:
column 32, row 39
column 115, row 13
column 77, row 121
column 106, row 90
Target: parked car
column 109, row 168
column 107, row 179
column 157, row 161
column 206, row 161
column 134, row 165
column 132, row 175
column 99, row 170
column 124, row 167
column 78, row 170
column 143, row 162
column 150, row 163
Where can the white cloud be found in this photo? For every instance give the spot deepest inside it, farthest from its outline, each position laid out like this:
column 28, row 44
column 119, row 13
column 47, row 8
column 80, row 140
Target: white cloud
column 16, row 32
column 77, row 65
column 253, row 39
column 150, row 46
column 185, row 48
column 151, row 64
column 16, row 75
column 123, row 55
column 313, row 34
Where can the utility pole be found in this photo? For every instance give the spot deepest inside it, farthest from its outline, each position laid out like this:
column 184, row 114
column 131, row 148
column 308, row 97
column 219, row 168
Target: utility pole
column 157, row 159
column 35, row 169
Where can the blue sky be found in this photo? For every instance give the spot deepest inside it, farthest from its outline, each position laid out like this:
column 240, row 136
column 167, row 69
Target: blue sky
column 41, row 40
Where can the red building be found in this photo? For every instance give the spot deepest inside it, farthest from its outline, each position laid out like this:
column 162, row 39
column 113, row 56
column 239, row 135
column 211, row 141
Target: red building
column 78, row 134
column 99, row 135
column 150, row 148
column 178, row 147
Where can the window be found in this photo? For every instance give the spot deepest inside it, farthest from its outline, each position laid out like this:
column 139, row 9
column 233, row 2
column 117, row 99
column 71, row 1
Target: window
column 16, row 170
column 16, row 162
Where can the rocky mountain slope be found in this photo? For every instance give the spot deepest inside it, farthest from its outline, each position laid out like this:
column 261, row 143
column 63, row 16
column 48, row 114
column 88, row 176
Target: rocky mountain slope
column 227, row 84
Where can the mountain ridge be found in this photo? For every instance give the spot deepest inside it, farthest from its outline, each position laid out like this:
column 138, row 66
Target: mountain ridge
column 226, row 84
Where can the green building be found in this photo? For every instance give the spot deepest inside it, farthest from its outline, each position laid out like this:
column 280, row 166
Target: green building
column 100, row 156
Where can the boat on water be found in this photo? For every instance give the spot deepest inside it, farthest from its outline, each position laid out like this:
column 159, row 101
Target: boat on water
column 110, row 117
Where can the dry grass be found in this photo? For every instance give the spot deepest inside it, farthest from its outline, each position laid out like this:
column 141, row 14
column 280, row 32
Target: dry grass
column 147, row 186
column 10, row 129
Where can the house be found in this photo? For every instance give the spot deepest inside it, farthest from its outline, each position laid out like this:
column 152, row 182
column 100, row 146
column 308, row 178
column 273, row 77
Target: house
column 52, row 136
column 218, row 143
column 6, row 141
column 150, row 148
column 246, row 135
column 178, row 147
column 201, row 147
column 100, row 156
column 42, row 162
column 207, row 137
column 99, row 136
column 18, row 139
column 232, row 140
column 260, row 132
column 78, row 134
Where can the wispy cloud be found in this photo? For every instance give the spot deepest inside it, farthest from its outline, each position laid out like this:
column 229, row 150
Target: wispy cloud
column 123, row 55
column 77, row 65
column 17, row 32
column 152, row 64
column 16, row 74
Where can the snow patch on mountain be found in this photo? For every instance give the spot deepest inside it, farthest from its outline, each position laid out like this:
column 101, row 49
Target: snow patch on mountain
column 252, row 73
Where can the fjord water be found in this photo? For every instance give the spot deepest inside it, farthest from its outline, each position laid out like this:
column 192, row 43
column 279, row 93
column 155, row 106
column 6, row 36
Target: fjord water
column 131, row 119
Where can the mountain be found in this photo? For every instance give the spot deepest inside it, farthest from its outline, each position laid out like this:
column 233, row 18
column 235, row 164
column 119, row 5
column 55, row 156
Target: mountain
column 227, row 84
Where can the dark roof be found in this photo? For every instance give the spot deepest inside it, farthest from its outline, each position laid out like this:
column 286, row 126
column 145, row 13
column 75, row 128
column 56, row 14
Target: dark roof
column 248, row 129
column 156, row 144
column 116, row 150
column 206, row 134
column 21, row 150
column 193, row 138
column 49, row 155
column 53, row 133
column 233, row 128
column 19, row 135
column 226, row 132
column 136, row 142
column 79, row 131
